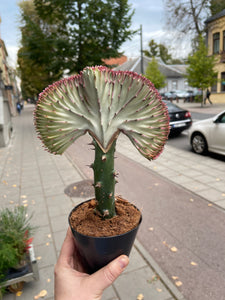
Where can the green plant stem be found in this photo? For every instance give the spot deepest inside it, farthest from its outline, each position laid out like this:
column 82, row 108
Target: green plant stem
column 104, row 180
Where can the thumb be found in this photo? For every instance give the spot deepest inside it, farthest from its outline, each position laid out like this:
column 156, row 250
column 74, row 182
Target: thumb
column 108, row 274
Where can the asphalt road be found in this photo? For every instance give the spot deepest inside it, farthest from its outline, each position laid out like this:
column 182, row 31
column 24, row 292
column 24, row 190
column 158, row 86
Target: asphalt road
column 179, row 230
column 182, row 142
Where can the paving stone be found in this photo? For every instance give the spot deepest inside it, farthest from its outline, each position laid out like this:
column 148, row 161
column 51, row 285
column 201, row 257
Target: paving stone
column 54, row 190
column 140, row 282
column 109, row 294
column 45, row 282
column 58, row 200
column 59, row 238
column 46, row 253
column 218, row 185
column 211, row 194
column 59, row 209
column 40, row 219
column 9, row 296
column 136, row 261
column 41, row 235
column 220, row 203
column 181, row 179
column 59, row 223
column 35, row 191
column 194, row 185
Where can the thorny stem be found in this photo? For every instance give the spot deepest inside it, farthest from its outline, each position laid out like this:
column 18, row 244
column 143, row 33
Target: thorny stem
column 104, row 180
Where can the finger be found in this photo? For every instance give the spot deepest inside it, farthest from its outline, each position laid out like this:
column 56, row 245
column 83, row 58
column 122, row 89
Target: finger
column 107, row 275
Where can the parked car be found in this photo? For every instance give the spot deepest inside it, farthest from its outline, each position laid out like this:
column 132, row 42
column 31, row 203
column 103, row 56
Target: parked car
column 208, row 135
column 180, row 119
column 168, row 95
column 192, row 95
column 180, row 94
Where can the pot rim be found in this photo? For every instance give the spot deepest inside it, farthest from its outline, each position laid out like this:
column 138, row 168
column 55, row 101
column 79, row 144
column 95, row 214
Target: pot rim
column 102, row 237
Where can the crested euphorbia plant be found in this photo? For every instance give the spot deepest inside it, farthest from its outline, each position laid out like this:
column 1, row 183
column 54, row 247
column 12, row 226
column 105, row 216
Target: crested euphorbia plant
column 103, row 103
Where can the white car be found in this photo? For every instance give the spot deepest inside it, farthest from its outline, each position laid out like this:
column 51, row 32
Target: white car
column 208, row 135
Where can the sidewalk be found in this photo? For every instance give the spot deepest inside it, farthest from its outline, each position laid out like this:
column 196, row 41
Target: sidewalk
column 32, row 177
column 215, row 108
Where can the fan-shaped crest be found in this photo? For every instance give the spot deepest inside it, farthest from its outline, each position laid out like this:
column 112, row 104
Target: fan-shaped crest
column 104, row 103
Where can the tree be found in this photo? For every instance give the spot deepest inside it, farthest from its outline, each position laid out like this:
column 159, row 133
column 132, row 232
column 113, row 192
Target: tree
column 216, row 6
column 90, row 30
column 37, row 58
column 153, row 49
column 154, row 75
column 59, row 36
column 164, row 54
column 186, row 16
column 200, row 72
column 160, row 50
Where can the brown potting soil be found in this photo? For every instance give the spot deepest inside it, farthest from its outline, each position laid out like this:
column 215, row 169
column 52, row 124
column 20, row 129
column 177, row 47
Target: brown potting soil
column 85, row 220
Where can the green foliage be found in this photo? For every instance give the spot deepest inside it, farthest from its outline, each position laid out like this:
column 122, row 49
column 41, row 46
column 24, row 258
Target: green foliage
column 158, row 50
column 164, row 54
column 154, row 75
column 216, row 6
column 91, row 30
column 103, row 103
column 8, row 258
column 37, row 56
column 65, row 36
column 153, row 49
column 200, row 70
column 15, row 231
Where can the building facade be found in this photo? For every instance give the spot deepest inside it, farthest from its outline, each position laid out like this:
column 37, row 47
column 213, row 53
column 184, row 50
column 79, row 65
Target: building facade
column 9, row 95
column 215, row 28
column 175, row 74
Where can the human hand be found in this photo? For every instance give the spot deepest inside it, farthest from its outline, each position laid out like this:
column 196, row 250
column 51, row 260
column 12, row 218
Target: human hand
column 71, row 283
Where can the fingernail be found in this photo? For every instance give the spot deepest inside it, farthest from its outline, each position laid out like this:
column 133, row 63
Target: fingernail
column 123, row 261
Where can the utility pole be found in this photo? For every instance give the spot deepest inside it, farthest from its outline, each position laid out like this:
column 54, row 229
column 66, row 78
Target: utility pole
column 142, row 68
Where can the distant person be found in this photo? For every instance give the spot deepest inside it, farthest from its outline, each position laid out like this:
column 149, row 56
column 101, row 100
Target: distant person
column 18, row 107
column 207, row 97
column 21, row 104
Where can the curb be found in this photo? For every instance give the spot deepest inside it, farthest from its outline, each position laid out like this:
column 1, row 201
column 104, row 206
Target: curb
column 156, row 268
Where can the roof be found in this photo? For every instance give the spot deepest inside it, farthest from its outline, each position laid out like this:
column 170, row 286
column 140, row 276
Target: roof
column 216, row 16
column 2, row 44
column 115, row 61
column 134, row 65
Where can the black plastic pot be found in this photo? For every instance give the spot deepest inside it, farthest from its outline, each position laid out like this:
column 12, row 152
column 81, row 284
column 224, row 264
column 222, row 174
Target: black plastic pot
column 96, row 252
column 18, row 272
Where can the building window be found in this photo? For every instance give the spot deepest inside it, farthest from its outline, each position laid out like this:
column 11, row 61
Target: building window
column 214, row 88
column 223, row 82
column 186, row 84
column 224, row 40
column 174, row 84
column 216, row 43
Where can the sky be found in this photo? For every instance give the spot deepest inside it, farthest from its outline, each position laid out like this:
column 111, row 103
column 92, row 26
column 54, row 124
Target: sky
column 148, row 13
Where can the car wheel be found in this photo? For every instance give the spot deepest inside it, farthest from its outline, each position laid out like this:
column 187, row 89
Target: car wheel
column 199, row 144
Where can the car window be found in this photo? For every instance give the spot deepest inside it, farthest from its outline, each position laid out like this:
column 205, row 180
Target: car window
column 222, row 118
column 171, row 106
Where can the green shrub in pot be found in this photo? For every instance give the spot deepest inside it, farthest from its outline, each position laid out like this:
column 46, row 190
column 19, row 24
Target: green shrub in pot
column 15, row 237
